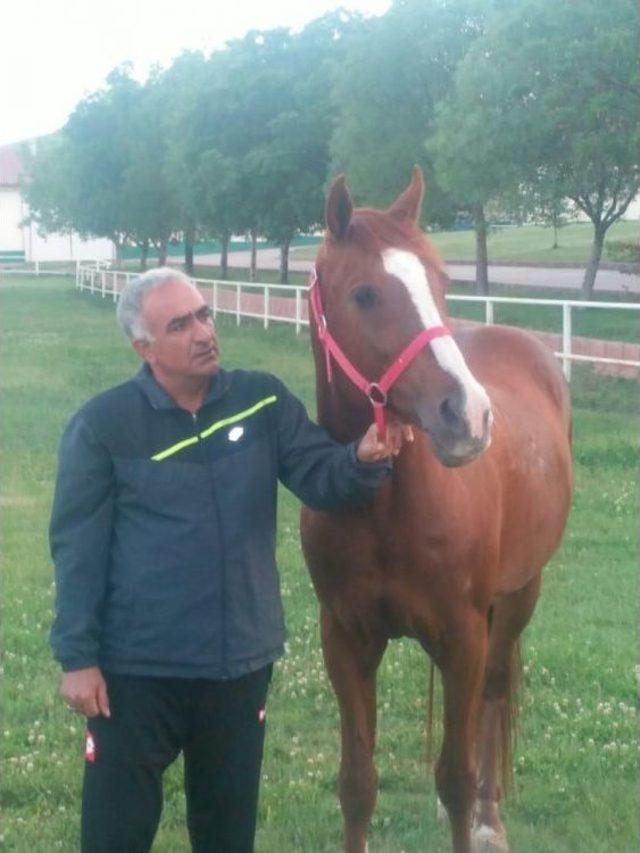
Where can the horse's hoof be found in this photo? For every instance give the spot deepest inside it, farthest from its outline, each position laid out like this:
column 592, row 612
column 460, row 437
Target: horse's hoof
column 486, row 839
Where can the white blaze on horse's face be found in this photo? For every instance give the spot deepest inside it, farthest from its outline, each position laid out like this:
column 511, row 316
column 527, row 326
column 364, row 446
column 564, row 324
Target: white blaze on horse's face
column 408, row 268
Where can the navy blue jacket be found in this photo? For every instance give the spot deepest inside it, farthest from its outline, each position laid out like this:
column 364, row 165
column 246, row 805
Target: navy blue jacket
column 163, row 524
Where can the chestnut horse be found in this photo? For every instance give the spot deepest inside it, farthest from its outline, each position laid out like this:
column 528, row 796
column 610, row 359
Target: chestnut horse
column 452, row 548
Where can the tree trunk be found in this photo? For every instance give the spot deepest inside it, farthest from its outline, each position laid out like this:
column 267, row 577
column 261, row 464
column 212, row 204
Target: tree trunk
column 144, row 255
column 589, row 281
column 555, row 233
column 482, row 259
column 254, row 255
column 189, row 239
column 224, row 255
column 284, row 261
column 162, row 252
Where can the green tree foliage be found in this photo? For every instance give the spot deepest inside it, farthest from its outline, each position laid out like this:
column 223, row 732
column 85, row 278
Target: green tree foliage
column 397, row 69
column 183, row 86
column 531, row 100
column 544, row 103
column 47, row 189
column 103, row 174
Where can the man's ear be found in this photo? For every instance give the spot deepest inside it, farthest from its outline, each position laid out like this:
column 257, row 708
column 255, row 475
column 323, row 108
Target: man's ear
column 142, row 348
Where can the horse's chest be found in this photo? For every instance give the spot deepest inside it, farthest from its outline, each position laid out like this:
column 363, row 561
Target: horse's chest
column 375, row 580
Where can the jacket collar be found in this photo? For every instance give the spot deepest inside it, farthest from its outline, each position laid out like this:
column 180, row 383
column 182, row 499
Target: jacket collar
column 159, row 398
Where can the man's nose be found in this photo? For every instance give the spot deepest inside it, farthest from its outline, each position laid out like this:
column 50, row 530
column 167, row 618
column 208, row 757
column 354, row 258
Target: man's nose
column 203, row 329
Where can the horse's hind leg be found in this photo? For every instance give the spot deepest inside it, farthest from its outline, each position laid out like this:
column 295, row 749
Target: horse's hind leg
column 510, row 615
column 352, row 662
column 462, row 664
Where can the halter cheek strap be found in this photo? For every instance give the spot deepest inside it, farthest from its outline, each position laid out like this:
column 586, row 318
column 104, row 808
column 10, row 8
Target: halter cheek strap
column 377, row 392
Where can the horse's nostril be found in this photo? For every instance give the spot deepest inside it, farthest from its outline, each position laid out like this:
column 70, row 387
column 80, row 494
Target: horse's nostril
column 450, row 415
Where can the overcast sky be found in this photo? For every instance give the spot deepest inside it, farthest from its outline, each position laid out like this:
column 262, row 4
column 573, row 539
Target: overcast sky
column 53, row 52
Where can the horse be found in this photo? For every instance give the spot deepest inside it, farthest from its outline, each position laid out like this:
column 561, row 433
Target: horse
column 450, row 552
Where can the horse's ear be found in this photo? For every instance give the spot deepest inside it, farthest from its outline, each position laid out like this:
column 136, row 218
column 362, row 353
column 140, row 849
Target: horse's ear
column 408, row 206
column 339, row 209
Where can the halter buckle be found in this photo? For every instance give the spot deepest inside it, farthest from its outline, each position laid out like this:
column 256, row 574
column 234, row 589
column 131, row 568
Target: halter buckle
column 377, row 396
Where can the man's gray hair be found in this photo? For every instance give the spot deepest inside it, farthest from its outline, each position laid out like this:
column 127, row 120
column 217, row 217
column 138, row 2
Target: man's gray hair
column 129, row 310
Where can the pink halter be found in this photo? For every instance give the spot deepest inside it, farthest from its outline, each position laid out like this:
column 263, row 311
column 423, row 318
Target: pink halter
column 377, row 392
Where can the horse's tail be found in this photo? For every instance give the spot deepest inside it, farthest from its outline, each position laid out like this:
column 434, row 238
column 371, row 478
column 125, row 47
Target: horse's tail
column 430, row 714
column 509, row 720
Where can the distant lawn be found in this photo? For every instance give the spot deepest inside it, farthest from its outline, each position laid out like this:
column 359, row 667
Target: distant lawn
column 527, row 243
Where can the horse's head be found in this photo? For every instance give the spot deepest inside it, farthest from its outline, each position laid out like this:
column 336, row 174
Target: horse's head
column 381, row 285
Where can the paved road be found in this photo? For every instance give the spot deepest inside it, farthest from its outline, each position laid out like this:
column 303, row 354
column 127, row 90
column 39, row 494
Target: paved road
column 607, row 280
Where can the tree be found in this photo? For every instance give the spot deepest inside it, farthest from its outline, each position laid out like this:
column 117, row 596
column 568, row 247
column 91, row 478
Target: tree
column 184, row 86
column 104, row 174
column 278, row 125
column 474, row 161
column 540, row 93
column 150, row 208
column 398, row 67
column 46, row 188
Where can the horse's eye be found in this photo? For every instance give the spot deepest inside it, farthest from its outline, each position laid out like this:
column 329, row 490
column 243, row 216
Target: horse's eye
column 365, row 296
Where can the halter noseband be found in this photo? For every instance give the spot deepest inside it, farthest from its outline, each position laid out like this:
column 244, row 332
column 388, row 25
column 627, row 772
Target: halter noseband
column 376, row 392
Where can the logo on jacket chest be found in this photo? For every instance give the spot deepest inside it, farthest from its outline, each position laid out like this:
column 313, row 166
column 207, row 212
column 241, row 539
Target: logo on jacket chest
column 235, row 433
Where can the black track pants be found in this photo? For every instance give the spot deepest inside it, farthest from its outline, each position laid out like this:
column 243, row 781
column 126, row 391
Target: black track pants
column 218, row 725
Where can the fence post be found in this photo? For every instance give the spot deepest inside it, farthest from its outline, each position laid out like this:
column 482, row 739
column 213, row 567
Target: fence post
column 488, row 312
column 297, row 310
column 566, row 340
column 37, row 267
column 237, row 304
column 115, row 286
column 266, row 306
column 103, row 284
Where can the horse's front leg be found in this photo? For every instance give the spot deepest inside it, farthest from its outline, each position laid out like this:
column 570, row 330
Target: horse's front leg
column 462, row 665
column 352, row 661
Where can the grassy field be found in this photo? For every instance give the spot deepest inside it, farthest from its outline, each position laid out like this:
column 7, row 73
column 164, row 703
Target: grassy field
column 577, row 756
column 522, row 244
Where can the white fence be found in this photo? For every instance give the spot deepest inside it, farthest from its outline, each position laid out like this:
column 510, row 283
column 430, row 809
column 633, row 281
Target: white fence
column 41, row 267
column 288, row 304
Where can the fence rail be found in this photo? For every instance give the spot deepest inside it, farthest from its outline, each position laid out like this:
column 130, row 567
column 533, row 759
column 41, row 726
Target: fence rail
column 62, row 268
column 288, row 304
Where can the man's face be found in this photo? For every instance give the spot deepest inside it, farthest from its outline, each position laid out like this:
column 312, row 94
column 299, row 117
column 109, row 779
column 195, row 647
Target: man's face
column 185, row 344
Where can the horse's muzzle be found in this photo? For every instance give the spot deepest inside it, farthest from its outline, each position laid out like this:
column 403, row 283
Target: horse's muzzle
column 458, row 435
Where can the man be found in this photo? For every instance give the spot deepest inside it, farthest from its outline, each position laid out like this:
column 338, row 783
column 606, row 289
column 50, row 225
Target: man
column 168, row 612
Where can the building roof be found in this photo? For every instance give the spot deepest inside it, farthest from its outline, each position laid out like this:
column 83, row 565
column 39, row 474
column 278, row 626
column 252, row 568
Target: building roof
column 10, row 166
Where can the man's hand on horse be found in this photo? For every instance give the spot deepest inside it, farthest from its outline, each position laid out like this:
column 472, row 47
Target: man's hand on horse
column 372, row 448
column 85, row 691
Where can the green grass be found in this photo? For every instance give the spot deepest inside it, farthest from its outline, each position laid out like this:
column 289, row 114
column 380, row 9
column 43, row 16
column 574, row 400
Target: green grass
column 526, row 243
column 576, row 761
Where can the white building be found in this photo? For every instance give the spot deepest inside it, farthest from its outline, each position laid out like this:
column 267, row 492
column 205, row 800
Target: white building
column 23, row 242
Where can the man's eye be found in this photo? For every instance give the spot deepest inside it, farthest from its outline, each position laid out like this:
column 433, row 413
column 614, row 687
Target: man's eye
column 365, row 296
column 205, row 313
column 178, row 325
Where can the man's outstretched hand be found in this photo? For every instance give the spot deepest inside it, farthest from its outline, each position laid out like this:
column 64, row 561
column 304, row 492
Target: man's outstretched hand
column 85, row 691
column 372, row 449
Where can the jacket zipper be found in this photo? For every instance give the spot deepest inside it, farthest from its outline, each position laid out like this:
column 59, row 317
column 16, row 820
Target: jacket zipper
column 221, row 561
